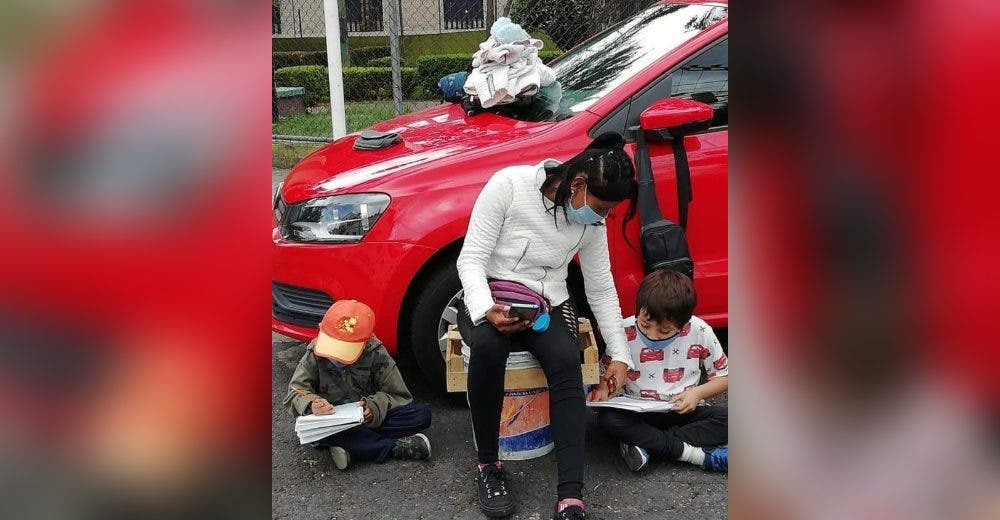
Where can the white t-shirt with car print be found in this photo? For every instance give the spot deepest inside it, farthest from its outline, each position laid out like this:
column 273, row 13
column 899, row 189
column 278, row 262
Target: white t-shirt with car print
column 660, row 374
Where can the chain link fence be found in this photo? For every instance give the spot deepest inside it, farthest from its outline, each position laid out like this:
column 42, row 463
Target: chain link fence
column 394, row 51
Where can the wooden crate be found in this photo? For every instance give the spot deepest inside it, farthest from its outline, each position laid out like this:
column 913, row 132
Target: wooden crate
column 458, row 378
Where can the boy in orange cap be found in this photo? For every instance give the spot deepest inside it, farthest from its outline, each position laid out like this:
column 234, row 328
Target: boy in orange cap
column 346, row 363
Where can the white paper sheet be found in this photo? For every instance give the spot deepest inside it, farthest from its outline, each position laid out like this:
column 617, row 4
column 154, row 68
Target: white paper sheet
column 633, row 405
column 311, row 428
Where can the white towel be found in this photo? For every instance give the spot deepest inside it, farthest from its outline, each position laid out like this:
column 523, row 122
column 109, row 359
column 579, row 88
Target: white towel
column 504, row 71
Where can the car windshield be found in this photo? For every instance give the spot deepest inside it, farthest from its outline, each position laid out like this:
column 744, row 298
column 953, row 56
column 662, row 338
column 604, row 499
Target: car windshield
column 599, row 65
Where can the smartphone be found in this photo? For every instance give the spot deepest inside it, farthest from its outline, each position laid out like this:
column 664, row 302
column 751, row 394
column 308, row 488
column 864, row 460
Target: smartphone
column 523, row 311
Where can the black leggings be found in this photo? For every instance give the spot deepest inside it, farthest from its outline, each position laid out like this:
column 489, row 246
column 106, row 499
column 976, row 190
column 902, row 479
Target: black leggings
column 558, row 351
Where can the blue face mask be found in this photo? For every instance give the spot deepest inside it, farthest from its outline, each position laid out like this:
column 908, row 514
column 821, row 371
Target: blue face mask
column 584, row 214
column 658, row 344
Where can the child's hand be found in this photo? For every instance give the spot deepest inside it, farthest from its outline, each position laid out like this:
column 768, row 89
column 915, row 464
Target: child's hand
column 599, row 393
column 368, row 415
column 686, row 401
column 321, row 407
column 616, row 374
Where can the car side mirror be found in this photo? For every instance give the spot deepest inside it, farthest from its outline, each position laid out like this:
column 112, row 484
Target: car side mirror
column 676, row 117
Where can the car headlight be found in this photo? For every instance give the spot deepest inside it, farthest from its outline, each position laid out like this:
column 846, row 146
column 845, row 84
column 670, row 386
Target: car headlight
column 276, row 194
column 278, row 206
column 340, row 218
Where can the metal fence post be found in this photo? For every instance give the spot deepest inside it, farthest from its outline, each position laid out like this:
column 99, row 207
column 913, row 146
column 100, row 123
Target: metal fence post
column 335, row 68
column 395, row 30
column 491, row 14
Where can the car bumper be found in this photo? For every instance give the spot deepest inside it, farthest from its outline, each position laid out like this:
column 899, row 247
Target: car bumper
column 376, row 273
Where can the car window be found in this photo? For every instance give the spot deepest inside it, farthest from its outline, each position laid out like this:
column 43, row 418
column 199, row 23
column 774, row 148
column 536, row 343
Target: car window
column 606, row 61
column 704, row 77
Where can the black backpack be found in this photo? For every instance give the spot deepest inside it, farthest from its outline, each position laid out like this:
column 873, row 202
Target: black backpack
column 664, row 244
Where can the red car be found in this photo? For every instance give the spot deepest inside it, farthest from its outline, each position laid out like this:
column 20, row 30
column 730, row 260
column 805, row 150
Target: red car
column 385, row 227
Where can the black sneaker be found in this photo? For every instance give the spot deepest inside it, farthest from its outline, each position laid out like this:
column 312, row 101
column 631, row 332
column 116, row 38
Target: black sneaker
column 341, row 458
column 414, row 447
column 494, row 499
column 570, row 513
column 635, row 457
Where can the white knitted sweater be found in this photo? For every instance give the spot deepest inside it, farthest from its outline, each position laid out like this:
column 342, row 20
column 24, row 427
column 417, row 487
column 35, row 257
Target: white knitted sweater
column 513, row 237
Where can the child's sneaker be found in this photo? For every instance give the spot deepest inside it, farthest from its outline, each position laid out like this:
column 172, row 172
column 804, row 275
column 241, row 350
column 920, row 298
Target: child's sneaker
column 414, row 447
column 494, row 499
column 341, row 458
column 570, row 513
column 717, row 459
column 635, row 457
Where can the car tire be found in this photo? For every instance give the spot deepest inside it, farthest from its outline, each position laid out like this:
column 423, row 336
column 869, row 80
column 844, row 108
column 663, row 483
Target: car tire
column 426, row 321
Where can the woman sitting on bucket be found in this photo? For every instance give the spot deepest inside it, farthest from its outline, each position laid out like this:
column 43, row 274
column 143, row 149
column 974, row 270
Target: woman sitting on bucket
column 527, row 225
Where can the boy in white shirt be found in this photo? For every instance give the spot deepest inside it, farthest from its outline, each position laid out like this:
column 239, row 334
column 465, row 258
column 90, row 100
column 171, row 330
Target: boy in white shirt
column 669, row 347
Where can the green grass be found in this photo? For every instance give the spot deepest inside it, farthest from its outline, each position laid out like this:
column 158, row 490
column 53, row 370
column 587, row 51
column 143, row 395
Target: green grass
column 286, row 155
column 359, row 115
column 303, row 124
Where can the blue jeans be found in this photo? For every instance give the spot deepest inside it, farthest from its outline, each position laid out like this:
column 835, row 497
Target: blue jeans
column 375, row 444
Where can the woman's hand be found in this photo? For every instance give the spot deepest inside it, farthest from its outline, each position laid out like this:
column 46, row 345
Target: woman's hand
column 497, row 315
column 686, row 401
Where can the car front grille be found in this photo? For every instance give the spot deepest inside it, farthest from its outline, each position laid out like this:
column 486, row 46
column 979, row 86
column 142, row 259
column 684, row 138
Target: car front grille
column 298, row 305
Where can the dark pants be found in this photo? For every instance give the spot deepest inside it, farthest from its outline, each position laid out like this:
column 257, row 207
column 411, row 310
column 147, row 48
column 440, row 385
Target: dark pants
column 375, row 444
column 558, row 351
column 664, row 434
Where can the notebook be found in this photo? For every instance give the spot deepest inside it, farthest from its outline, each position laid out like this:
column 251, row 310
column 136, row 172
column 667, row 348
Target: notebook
column 633, row 404
column 311, row 428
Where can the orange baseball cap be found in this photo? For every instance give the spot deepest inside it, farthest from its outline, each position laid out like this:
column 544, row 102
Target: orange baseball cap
column 346, row 327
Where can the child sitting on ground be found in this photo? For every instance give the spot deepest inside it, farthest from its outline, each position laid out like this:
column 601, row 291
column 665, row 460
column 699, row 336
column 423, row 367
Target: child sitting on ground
column 346, row 363
column 669, row 347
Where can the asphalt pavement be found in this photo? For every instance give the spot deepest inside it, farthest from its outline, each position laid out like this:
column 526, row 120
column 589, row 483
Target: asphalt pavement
column 306, row 485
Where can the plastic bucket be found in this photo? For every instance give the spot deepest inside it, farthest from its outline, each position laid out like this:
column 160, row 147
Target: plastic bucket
column 524, row 417
column 524, row 424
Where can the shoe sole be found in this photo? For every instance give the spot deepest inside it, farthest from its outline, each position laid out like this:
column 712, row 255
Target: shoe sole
column 498, row 513
column 427, row 442
column 341, row 459
column 629, row 462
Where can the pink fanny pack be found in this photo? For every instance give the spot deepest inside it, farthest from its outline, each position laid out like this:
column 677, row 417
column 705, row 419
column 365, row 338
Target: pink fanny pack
column 513, row 292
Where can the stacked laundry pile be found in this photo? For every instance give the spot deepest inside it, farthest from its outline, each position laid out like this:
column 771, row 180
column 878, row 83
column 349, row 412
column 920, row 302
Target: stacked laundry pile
column 515, row 360
column 507, row 66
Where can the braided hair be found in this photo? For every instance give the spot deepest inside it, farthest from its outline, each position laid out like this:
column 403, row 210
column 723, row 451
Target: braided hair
column 609, row 173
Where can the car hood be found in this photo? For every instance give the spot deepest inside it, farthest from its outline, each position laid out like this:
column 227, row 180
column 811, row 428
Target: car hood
column 430, row 135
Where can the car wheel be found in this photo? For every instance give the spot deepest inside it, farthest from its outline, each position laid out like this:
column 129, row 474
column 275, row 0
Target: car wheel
column 433, row 312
